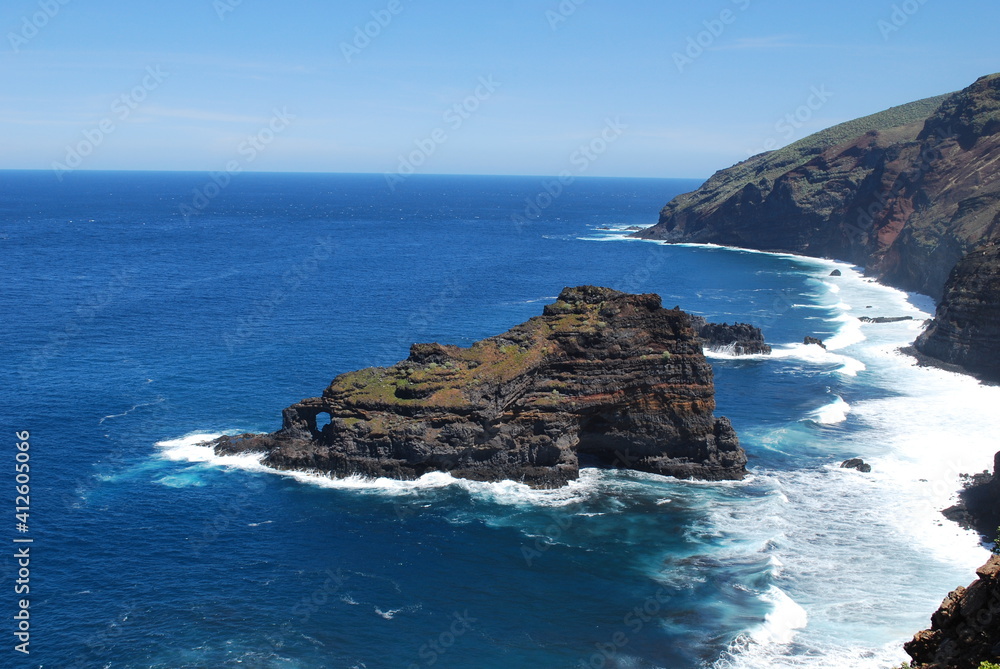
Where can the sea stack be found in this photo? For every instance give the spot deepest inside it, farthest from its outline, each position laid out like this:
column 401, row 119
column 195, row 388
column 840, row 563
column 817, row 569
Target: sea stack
column 602, row 378
column 738, row 338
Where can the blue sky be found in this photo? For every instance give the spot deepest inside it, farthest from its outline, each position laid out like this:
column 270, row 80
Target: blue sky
column 269, row 86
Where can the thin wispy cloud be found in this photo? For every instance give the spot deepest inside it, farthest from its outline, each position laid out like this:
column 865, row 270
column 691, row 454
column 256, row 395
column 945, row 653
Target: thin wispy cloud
column 768, row 42
column 200, row 115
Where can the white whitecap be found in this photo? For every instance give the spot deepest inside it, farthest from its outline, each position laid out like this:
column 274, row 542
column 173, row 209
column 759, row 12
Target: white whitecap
column 195, row 448
column 815, row 354
column 784, row 620
column 388, row 615
column 833, row 413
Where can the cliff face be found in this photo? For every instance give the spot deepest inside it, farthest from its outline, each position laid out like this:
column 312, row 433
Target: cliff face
column 965, row 631
column 906, row 201
column 979, row 503
column 601, row 378
column 966, row 329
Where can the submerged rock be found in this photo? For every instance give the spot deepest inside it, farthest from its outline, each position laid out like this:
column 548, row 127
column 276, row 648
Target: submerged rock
column 602, row 378
column 836, row 272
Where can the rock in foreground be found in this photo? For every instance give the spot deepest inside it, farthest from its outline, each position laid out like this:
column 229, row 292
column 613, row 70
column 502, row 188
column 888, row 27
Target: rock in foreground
column 602, row 378
column 965, row 631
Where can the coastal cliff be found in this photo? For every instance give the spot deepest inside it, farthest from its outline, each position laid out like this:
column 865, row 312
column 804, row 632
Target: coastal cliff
column 602, row 378
column 906, row 193
column 966, row 328
column 964, row 632
column 978, row 504
column 911, row 194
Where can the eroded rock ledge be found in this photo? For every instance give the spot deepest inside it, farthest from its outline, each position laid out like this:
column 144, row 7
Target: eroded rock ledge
column 964, row 631
column 602, row 378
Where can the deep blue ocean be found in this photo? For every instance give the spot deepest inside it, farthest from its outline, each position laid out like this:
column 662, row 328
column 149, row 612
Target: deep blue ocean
column 131, row 327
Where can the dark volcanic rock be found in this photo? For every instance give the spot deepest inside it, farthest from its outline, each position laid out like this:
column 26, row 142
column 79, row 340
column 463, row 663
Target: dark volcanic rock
column 885, row 319
column 905, row 193
column 966, row 329
column 836, row 272
column 856, row 463
column 965, row 631
column 603, row 377
column 813, row 340
column 979, row 503
column 738, row 338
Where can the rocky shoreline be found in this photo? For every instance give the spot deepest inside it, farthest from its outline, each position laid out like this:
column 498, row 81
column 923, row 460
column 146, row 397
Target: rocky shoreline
column 965, row 630
column 602, row 378
column 908, row 194
column 903, row 193
column 966, row 328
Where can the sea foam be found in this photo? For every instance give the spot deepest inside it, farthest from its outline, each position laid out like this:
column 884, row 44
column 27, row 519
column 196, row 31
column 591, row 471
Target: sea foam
column 867, row 557
column 194, row 448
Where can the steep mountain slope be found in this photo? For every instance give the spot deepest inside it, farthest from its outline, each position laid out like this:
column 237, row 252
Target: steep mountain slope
column 906, row 201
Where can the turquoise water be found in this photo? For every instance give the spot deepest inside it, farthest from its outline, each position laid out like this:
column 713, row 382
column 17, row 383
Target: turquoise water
column 129, row 330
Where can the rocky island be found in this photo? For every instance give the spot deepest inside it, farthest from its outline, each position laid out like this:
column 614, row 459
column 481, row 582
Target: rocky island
column 601, row 378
